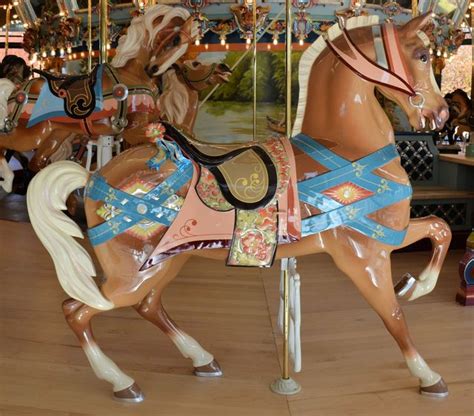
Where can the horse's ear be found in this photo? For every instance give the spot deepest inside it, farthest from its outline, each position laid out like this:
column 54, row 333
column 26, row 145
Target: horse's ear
column 417, row 23
column 188, row 26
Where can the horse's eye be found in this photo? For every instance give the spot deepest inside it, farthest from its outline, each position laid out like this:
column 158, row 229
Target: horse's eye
column 176, row 40
column 424, row 58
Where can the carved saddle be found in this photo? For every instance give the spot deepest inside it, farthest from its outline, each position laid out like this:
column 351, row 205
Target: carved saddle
column 245, row 174
column 76, row 91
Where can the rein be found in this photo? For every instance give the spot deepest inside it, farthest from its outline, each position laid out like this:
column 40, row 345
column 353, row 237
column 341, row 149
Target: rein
column 184, row 73
column 389, row 70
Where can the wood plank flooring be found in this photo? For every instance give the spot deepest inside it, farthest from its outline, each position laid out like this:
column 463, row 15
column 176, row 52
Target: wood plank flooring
column 351, row 366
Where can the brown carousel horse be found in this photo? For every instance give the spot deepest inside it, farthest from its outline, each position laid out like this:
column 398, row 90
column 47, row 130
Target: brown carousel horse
column 125, row 89
column 179, row 98
column 147, row 217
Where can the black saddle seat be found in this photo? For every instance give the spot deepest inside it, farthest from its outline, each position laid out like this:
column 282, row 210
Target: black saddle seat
column 230, row 167
column 76, row 91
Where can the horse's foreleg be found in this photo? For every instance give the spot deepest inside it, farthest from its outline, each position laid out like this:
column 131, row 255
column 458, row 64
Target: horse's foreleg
column 47, row 148
column 78, row 316
column 375, row 283
column 151, row 308
column 438, row 231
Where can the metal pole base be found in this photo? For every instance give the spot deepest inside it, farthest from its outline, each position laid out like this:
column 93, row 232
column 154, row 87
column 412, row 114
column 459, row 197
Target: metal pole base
column 285, row 386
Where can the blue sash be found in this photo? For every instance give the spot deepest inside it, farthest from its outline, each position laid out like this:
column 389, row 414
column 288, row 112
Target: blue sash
column 376, row 192
column 133, row 209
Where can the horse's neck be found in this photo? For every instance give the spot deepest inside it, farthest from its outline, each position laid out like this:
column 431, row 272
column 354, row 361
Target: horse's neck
column 178, row 103
column 341, row 108
column 133, row 72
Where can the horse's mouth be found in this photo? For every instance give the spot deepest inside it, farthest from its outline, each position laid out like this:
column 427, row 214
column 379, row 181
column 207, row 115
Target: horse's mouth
column 224, row 76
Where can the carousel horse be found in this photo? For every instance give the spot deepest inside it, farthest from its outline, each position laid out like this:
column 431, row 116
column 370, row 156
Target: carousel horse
column 460, row 114
column 337, row 186
column 46, row 110
column 179, row 99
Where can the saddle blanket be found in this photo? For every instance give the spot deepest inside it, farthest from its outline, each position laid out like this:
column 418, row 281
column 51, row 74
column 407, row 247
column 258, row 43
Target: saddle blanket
column 49, row 105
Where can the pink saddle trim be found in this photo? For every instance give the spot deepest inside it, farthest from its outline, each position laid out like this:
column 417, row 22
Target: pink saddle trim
column 197, row 223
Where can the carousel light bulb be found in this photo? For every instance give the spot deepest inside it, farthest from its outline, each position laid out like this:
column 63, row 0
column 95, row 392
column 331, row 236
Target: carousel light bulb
column 268, row 46
column 445, row 54
column 69, row 49
column 222, row 41
column 433, row 14
column 141, row 5
column 44, row 54
column 301, row 42
column 226, row 46
column 15, row 3
column 53, row 52
column 108, row 46
column 197, row 42
column 248, row 41
column 15, row 16
column 61, row 52
column 357, row 5
column 74, row 56
column 83, row 55
column 206, row 46
column 431, row 51
column 25, row 25
column 275, row 41
column 438, row 52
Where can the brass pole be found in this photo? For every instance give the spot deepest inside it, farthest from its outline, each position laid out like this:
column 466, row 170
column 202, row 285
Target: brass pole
column 103, row 31
column 254, row 68
column 7, row 27
column 414, row 8
column 89, row 37
column 286, row 321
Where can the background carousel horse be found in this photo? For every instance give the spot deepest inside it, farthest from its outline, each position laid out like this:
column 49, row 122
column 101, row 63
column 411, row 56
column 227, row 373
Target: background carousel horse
column 179, row 98
column 154, row 41
column 142, row 198
column 460, row 115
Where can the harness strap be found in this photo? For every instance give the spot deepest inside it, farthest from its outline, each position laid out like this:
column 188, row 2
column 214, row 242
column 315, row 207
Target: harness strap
column 133, row 209
column 374, row 191
column 394, row 75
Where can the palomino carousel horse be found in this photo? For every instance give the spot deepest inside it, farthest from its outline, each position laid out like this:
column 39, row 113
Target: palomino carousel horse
column 155, row 206
column 179, row 98
column 46, row 110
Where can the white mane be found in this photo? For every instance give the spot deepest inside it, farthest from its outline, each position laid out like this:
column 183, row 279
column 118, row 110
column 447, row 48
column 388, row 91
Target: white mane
column 142, row 32
column 311, row 54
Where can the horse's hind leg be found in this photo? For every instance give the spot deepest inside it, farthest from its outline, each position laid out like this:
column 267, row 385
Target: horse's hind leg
column 78, row 316
column 151, row 308
column 438, row 231
column 375, row 283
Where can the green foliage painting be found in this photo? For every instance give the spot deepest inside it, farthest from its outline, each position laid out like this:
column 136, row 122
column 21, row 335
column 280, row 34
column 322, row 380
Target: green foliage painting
column 270, row 78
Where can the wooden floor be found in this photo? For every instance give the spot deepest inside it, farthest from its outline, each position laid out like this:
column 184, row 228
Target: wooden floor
column 351, row 366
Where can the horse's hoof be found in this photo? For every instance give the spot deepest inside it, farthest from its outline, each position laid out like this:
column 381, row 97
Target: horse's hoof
column 213, row 369
column 405, row 287
column 132, row 394
column 440, row 389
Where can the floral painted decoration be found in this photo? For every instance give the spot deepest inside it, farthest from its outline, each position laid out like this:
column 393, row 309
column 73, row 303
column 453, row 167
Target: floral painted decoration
column 155, row 132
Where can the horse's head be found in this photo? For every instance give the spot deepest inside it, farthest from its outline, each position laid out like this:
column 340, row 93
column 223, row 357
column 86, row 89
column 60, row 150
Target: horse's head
column 157, row 39
column 428, row 108
column 170, row 44
column 15, row 69
column 199, row 76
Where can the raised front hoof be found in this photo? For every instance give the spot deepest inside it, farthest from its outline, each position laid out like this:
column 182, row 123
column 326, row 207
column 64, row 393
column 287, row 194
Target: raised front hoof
column 405, row 287
column 439, row 390
column 132, row 394
column 213, row 369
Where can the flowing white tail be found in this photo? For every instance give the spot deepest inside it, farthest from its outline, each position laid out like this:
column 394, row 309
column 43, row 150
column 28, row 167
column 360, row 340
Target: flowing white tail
column 46, row 198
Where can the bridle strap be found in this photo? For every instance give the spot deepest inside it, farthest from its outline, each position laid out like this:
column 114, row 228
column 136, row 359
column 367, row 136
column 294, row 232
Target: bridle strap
column 389, row 71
